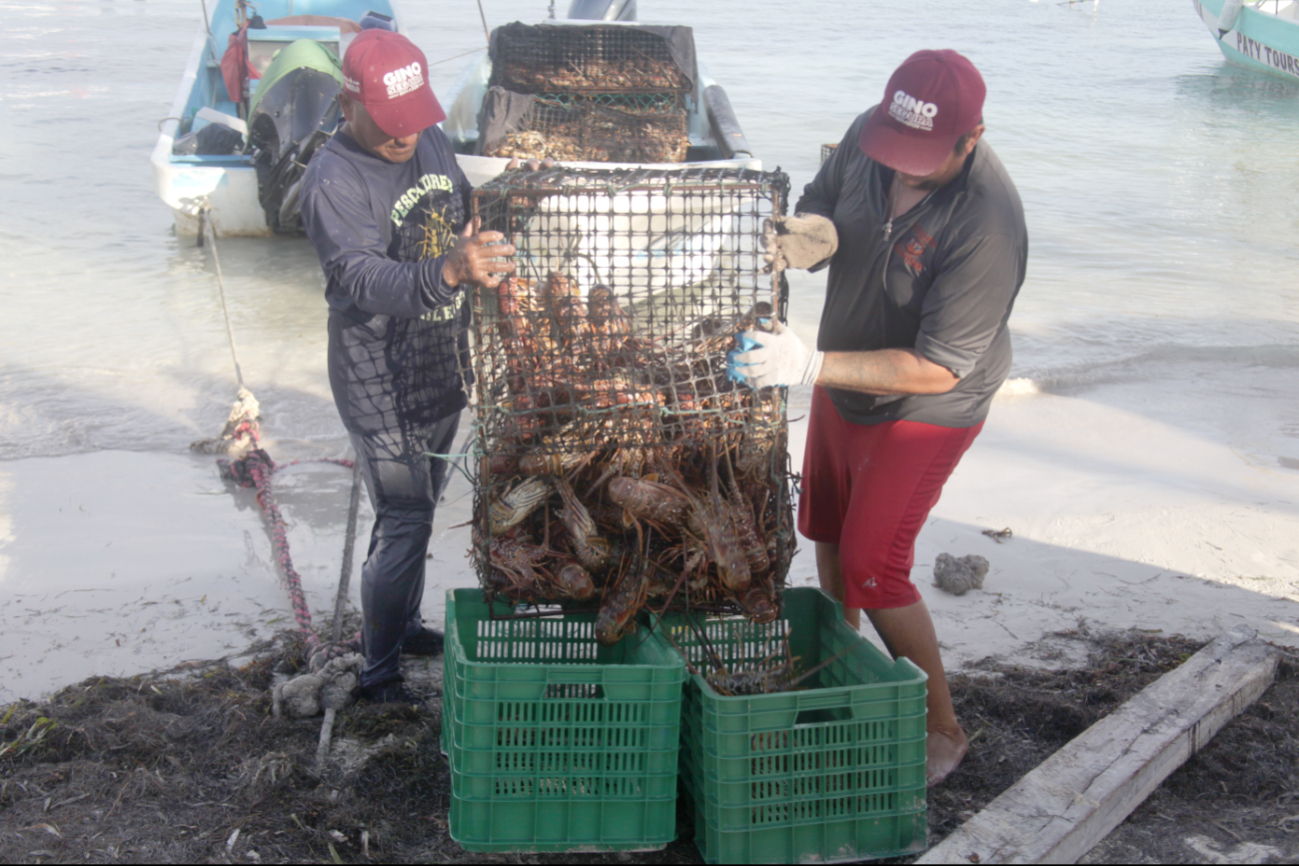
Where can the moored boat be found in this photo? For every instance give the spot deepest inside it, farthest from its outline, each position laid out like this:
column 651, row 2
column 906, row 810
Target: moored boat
column 1261, row 35
column 257, row 96
column 236, row 160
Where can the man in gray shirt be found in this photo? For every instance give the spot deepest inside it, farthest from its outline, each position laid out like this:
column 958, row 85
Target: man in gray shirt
column 924, row 235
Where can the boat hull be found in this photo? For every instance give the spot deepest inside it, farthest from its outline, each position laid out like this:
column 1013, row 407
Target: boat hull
column 1258, row 39
column 231, row 193
column 227, row 184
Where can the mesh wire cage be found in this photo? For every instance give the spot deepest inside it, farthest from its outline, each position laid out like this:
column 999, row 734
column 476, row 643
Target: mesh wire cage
column 589, row 93
column 620, row 467
column 593, row 58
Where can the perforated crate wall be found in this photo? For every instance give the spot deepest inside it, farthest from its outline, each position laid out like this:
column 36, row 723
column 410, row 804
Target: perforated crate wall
column 556, row 743
column 831, row 772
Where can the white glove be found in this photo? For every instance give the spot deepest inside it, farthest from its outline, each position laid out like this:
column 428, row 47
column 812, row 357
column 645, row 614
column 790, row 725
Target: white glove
column 798, row 241
column 779, row 359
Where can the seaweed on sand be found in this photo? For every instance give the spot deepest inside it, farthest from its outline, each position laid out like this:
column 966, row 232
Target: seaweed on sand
column 190, row 766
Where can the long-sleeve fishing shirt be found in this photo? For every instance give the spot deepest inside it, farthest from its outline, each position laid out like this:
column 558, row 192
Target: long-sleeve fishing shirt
column 397, row 332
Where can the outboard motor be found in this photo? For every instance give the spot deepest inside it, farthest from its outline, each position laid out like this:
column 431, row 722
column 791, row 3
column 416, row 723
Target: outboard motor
column 603, row 10
column 294, row 111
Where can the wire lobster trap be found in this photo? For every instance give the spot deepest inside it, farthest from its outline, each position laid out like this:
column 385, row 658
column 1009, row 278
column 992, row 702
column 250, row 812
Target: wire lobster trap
column 620, row 467
column 593, row 58
column 643, row 128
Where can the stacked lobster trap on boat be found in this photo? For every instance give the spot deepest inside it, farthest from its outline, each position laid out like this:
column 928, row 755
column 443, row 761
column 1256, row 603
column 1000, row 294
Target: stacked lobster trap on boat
column 620, row 467
column 597, row 93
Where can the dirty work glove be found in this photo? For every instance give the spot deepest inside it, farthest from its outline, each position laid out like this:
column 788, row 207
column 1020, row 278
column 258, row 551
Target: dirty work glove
column 800, row 241
column 779, row 358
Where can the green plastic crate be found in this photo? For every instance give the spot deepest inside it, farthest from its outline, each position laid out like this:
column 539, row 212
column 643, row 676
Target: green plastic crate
column 555, row 743
column 833, row 771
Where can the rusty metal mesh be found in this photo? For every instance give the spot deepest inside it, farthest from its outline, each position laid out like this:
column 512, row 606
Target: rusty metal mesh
column 614, row 58
column 611, row 438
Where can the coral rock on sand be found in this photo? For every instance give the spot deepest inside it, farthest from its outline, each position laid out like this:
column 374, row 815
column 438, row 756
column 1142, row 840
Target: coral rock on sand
column 958, row 576
column 333, row 688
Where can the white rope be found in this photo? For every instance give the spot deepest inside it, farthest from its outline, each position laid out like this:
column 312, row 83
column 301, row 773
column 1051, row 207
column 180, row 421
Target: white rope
column 483, row 15
column 205, row 216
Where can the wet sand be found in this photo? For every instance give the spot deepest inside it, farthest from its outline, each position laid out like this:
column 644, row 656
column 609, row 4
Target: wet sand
column 121, row 562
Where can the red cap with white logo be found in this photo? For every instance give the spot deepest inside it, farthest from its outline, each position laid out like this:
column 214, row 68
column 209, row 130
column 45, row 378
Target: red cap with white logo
column 386, row 73
column 932, row 99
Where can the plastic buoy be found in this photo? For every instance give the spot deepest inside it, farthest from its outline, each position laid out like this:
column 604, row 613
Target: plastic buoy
column 1227, row 17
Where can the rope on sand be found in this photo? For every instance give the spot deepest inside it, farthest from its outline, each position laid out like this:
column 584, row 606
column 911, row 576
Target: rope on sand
column 349, row 546
column 256, row 470
column 334, row 666
column 251, row 466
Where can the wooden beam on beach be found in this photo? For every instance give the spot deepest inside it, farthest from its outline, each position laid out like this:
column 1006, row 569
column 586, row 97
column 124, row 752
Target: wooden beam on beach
column 1072, row 800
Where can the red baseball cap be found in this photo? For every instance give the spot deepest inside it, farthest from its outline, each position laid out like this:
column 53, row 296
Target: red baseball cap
column 932, row 99
column 386, row 73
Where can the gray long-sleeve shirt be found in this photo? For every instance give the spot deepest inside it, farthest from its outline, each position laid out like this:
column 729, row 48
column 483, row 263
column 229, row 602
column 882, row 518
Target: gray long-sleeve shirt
column 942, row 281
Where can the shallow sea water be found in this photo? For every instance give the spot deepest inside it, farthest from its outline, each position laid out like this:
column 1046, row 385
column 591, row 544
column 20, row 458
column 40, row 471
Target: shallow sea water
column 1159, row 185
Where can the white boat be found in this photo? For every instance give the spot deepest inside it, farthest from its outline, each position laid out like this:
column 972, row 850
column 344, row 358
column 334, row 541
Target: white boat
column 1262, row 35
column 226, row 182
column 224, row 186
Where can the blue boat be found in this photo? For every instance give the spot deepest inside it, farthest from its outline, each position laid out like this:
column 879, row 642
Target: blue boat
column 282, row 58
column 259, row 95
column 1262, row 35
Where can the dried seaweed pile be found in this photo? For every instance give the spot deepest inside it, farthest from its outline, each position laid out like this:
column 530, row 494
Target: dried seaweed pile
column 622, row 467
column 166, row 768
column 1238, row 790
column 599, row 94
column 188, row 766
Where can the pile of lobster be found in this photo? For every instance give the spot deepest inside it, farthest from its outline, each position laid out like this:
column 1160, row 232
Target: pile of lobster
column 622, row 468
column 590, row 133
column 560, row 70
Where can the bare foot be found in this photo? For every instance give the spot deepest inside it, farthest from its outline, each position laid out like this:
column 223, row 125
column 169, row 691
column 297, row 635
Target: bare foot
column 944, row 751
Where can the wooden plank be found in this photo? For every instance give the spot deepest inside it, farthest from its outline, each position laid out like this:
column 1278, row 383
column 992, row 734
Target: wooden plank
column 1073, row 799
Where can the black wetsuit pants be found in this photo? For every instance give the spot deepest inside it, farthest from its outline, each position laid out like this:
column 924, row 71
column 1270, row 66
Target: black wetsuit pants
column 404, row 486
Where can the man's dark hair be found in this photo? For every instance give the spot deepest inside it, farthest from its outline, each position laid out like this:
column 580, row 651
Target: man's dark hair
column 960, row 142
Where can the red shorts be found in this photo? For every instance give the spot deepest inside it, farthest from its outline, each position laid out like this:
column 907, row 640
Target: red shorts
column 869, row 489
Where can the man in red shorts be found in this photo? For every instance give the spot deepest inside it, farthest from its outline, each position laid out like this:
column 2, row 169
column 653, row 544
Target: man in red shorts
column 924, row 235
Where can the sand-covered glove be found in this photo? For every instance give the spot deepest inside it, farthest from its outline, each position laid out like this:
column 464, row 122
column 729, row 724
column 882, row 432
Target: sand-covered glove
column 779, row 358
column 798, row 241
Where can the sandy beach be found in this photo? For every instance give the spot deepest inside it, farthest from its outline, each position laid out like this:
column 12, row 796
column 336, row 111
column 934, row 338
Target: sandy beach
column 1137, row 479
column 1125, row 513
column 1145, row 456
